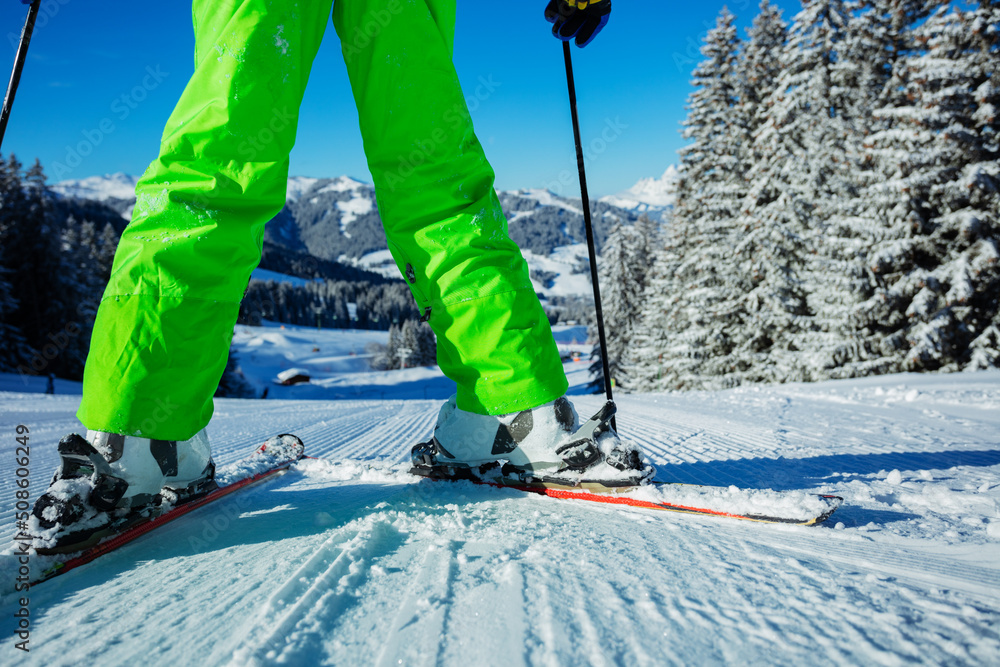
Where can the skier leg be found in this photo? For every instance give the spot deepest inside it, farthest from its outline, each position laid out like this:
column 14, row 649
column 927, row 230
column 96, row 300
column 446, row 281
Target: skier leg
column 164, row 326
column 444, row 224
column 448, row 236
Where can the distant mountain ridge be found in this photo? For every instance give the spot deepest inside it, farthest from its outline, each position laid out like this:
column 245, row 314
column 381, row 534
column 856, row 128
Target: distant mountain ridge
column 335, row 220
column 116, row 191
column 653, row 196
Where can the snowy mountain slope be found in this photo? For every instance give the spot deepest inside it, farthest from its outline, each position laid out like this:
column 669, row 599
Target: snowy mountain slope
column 298, row 185
column 98, row 188
column 115, row 190
column 563, row 272
column 652, row 196
column 336, row 219
column 350, row 560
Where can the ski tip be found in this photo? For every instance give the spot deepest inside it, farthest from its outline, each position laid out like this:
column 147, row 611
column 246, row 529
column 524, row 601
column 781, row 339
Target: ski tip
column 287, row 446
column 293, row 439
column 833, row 504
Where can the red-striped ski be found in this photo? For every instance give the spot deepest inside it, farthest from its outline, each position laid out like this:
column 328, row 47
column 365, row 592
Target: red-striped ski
column 694, row 499
column 831, row 503
column 266, row 462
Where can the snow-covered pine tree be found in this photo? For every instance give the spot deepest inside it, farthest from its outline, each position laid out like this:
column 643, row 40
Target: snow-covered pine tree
column 24, row 232
column 47, row 283
column 884, row 40
column 13, row 350
column 408, row 338
column 649, row 239
column 649, row 242
column 801, row 270
column 769, row 252
column 393, row 347
column 881, row 36
column 386, row 357
column 78, row 286
column 107, row 243
column 418, row 338
column 651, row 358
column 984, row 172
column 233, row 383
column 760, row 65
column 427, row 343
column 691, row 319
column 621, row 272
column 935, row 305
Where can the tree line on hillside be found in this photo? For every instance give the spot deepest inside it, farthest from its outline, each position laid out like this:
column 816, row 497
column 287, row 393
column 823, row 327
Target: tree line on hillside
column 280, row 259
column 837, row 211
column 53, row 269
column 55, row 260
column 329, row 304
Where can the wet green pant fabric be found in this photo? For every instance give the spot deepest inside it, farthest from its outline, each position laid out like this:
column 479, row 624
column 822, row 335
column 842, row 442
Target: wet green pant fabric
column 166, row 321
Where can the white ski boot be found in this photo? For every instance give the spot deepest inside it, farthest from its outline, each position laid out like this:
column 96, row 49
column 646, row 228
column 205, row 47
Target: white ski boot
column 108, row 481
column 544, row 446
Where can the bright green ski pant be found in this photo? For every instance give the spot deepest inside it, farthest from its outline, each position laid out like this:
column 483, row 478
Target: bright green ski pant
column 166, row 321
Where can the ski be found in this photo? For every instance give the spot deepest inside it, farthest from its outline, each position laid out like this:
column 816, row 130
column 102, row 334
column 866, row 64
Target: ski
column 269, row 460
column 827, row 504
column 757, row 505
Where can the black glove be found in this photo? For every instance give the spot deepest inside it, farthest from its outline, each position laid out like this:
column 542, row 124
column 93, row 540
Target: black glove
column 582, row 19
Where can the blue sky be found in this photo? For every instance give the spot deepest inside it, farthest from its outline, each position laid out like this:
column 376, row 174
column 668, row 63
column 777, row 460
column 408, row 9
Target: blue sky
column 635, row 76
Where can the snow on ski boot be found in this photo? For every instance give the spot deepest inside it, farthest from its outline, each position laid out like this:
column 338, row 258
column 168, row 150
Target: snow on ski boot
column 107, row 482
column 544, row 446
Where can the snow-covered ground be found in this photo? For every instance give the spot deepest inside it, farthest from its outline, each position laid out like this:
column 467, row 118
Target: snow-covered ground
column 337, row 363
column 349, row 560
column 565, row 264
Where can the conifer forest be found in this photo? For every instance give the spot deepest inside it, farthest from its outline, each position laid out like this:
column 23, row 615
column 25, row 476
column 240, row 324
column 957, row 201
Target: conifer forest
column 838, row 211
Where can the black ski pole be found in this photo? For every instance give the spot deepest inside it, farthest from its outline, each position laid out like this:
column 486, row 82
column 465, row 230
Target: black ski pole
column 589, row 227
column 15, row 75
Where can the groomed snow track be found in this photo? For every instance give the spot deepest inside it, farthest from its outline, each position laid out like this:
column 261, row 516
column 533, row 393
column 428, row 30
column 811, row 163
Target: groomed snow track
column 347, row 560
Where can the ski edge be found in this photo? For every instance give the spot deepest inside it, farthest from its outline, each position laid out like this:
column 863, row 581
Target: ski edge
column 612, row 499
